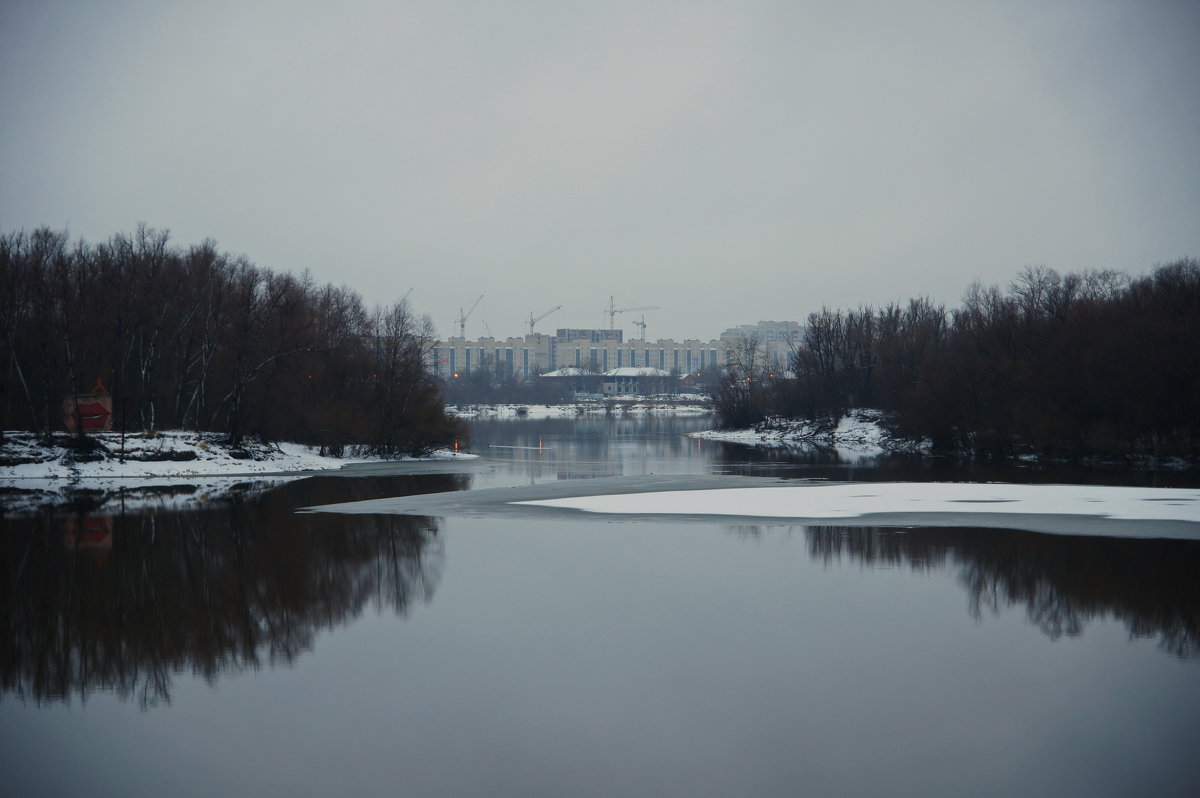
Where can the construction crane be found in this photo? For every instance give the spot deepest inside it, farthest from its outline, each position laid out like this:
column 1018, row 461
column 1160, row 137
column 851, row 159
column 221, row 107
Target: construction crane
column 641, row 325
column 462, row 317
column 612, row 311
column 532, row 321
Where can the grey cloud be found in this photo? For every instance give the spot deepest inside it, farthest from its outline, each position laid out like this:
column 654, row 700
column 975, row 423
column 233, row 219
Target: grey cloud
column 726, row 161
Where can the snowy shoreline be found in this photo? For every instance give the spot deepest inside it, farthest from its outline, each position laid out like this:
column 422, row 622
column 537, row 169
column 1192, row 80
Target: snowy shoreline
column 156, row 470
column 860, row 433
column 171, row 454
column 863, row 434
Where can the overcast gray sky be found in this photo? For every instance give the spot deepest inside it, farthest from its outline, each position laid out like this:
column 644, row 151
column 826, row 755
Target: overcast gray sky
column 729, row 161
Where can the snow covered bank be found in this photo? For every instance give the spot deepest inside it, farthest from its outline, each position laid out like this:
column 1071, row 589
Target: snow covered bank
column 636, row 407
column 859, row 433
column 161, row 454
column 855, row 500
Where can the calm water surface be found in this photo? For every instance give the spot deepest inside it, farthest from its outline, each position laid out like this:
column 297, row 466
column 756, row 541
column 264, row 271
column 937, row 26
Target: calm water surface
column 242, row 648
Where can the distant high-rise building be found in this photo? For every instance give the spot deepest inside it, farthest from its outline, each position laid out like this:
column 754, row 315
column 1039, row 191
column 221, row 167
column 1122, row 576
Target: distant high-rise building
column 599, row 350
column 568, row 335
column 768, row 332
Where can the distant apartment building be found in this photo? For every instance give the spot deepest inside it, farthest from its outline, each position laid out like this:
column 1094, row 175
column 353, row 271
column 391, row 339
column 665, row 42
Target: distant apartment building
column 522, row 357
column 570, row 335
column 598, row 351
column 769, row 332
column 777, row 339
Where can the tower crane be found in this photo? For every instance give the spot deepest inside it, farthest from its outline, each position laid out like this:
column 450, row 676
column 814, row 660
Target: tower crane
column 612, row 311
column 641, row 325
column 532, row 321
column 462, row 317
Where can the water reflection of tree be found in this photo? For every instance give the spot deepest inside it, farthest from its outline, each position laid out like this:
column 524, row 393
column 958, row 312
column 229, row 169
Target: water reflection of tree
column 825, row 462
column 1062, row 581
column 202, row 591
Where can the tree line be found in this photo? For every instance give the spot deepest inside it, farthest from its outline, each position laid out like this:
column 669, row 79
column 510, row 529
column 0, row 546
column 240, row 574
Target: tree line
column 1086, row 363
column 197, row 339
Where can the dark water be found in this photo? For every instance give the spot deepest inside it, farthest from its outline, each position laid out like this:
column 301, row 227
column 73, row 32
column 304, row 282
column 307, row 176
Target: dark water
column 614, row 446
column 241, row 648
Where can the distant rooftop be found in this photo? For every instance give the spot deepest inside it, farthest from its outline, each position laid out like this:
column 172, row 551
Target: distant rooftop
column 569, row 371
column 636, row 371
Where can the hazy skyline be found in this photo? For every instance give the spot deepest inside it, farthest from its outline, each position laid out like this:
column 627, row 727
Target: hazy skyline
column 729, row 162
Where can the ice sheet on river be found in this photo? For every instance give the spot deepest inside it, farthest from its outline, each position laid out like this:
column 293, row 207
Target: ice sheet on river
column 852, row 500
column 1061, row 509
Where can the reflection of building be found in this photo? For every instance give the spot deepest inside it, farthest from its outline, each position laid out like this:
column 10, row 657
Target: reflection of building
column 89, row 534
column 570, row 469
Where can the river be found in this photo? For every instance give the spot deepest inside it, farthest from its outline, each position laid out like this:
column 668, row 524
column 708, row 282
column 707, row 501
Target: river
column 239, row 647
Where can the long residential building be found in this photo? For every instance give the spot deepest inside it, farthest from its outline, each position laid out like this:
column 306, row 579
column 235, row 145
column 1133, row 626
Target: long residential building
column 597, row 351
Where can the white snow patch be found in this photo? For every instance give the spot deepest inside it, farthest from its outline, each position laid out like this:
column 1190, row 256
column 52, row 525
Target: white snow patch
column 636, row 371
column 853, row 500
column 135, row 457
column 857, row 435
column 637, row 407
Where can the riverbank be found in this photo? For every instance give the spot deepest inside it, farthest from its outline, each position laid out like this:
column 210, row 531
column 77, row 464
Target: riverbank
column 866, row 433
column 863, row 432
column 164, row 454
